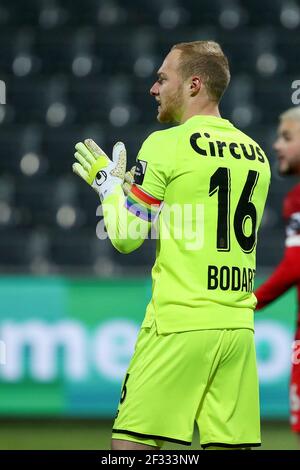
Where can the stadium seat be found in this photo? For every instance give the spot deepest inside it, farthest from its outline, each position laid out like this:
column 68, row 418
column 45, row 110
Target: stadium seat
column 73, row 71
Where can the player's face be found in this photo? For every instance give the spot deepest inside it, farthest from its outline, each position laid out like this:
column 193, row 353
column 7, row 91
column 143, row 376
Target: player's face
column 287, row 146
column 168, row 90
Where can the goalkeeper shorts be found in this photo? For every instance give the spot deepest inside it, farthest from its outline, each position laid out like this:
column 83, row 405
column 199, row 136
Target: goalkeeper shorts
column 203, row 376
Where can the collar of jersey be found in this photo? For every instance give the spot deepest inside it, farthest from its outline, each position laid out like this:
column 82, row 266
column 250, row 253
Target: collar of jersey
column 214, row 120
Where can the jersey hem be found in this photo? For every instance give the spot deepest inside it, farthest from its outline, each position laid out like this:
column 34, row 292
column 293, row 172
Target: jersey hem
column 175, row 319
column 225, row 326
column 186, row 328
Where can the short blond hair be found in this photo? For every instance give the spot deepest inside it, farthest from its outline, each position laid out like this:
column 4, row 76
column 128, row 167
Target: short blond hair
column 291, row 113
column 205, row 58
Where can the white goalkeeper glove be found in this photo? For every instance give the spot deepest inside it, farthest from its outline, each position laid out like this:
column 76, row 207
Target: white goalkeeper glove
column 128, row 181
column 97, row 169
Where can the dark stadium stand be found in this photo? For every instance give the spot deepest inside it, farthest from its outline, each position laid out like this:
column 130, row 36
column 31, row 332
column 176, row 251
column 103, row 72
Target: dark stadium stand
column 74, row 70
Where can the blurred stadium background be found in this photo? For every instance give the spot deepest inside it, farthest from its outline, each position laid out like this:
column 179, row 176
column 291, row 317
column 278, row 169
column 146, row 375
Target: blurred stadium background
column 70, row 304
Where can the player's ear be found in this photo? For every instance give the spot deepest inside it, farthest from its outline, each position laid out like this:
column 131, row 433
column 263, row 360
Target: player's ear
column 195, row 85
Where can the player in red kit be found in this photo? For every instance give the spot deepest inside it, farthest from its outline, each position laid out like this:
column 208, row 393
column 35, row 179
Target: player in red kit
column 287, row 273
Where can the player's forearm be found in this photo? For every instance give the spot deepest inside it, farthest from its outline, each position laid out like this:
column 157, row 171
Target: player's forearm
column 283, row 278
column 269, row 291
column 126, row 231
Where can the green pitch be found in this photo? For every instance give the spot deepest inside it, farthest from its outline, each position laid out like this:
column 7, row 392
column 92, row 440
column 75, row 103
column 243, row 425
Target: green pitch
column 59, row 435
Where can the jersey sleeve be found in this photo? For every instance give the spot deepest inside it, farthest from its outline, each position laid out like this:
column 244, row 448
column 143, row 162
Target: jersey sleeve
column 153, row 172
column 283, row 278
column 128, row 219
column 287, row 272
column 126, row 231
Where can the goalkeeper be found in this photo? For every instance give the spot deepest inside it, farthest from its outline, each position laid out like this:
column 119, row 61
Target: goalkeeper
column 204, row 185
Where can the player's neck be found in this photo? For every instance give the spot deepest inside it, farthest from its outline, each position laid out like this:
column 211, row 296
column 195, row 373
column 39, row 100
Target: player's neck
column 209, row 109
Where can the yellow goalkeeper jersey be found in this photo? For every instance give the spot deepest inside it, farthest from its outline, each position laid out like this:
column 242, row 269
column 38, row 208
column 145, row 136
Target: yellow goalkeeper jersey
column 209, row 183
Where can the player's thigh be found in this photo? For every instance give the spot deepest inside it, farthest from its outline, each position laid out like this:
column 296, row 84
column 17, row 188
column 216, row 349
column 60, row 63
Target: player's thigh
column 164, row 384
column 229, row 414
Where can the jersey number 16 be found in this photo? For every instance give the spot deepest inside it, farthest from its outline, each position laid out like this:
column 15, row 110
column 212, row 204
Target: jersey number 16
column 220, row 182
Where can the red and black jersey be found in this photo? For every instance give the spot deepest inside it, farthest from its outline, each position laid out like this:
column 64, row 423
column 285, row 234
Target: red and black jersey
column 287, row 273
